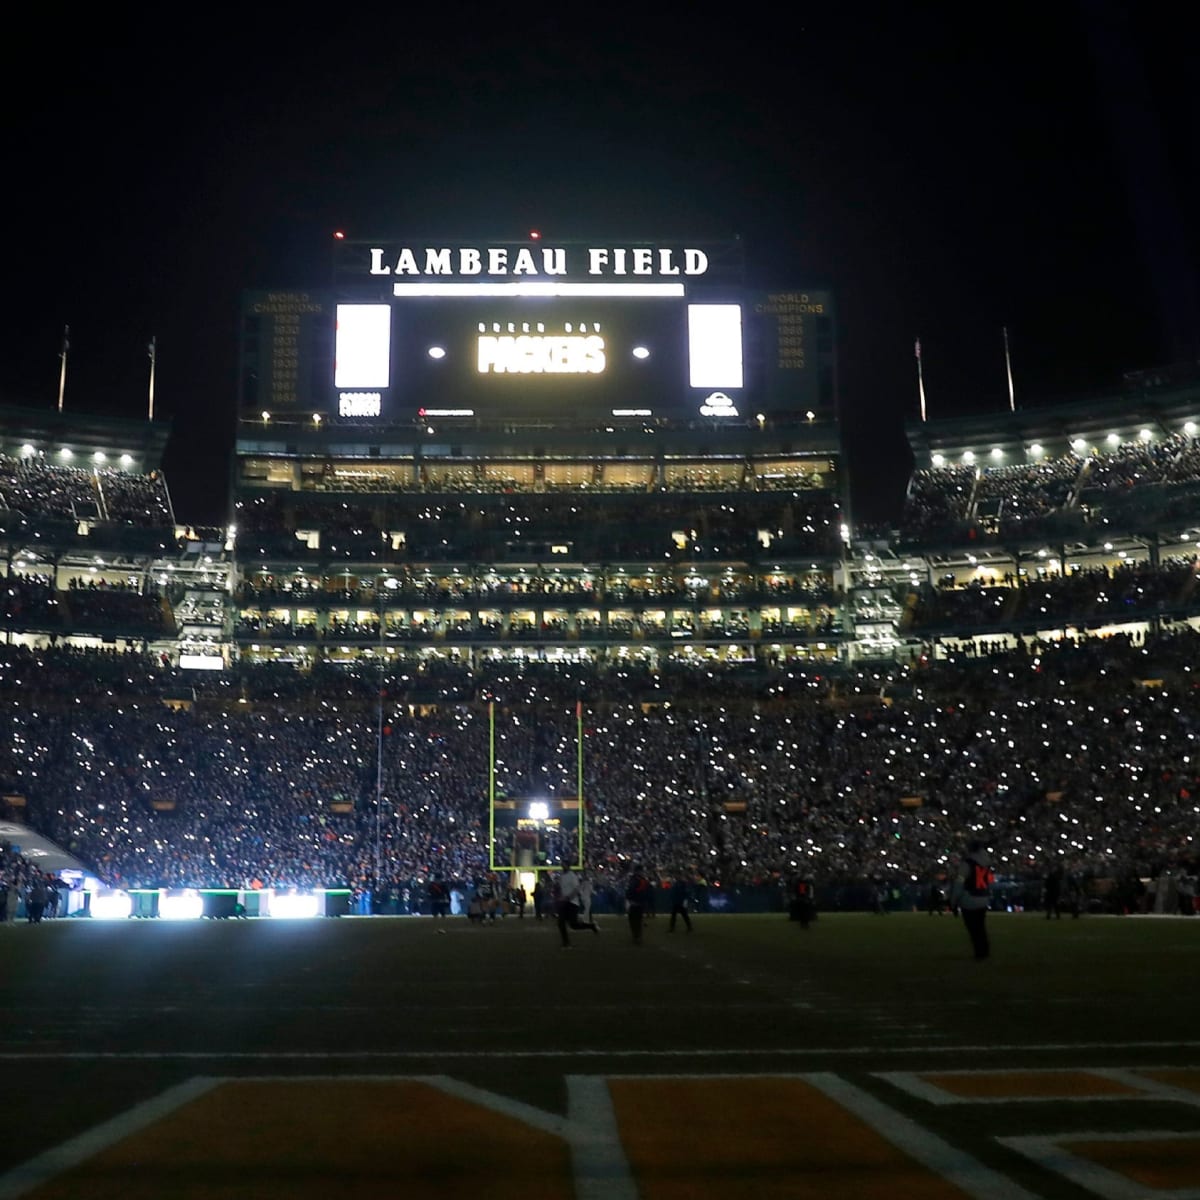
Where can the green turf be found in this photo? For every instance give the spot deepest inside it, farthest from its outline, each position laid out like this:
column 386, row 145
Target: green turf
column 115, row 1012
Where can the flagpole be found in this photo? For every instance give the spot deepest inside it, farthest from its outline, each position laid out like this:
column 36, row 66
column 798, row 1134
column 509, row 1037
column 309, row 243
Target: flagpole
column 579, row 778
column 153, row 351
column 1012, row 395
column 491, row 783
column 920, row 377
column 62, row 372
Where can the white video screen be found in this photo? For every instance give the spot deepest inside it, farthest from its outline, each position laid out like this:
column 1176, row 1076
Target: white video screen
column 363, row 346
column 715, row 346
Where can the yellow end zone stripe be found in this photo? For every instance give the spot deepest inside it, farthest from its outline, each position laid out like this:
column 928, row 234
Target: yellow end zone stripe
column 661, row 1138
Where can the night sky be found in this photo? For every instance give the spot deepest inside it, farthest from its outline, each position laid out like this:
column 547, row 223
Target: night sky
column 946, row 169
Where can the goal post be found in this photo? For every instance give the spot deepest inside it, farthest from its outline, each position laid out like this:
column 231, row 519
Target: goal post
column 531, row 834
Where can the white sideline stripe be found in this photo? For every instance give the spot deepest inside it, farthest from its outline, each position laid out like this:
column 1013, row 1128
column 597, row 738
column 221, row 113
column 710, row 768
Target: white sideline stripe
column 960, row 1169
column 922, row 1089
column 1144, row 1088
column 1155, row 1089
column 1048, row 1152
column 749, row 1052
column 597, row 1157
column 536, row 1118
column 43, row 1167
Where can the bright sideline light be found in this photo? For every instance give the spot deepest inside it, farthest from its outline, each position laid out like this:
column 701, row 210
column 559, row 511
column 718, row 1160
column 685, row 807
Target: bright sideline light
column 111, row 906
column 180, row 906
column 295, row 905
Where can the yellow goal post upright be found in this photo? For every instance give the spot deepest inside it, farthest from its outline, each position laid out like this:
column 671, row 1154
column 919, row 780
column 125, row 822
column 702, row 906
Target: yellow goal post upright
column 522, row 831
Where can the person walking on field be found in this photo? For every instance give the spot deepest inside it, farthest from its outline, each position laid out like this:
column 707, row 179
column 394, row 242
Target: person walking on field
column 972, row 894
column 679, row 903
column 1052, row 892
column 639, row 896
column 569, row 905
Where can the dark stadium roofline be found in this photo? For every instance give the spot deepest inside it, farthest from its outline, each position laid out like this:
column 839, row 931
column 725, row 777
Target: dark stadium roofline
column 146, row 439
column 1120, row 412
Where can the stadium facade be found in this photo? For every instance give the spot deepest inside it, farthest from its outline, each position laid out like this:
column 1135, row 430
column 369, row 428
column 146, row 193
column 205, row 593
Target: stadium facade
column 579, row 452
column 591, row 453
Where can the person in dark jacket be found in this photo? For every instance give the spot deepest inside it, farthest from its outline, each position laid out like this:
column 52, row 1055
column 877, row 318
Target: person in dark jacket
column 680, row 895
column 972, row 895
column 803, row 907
column 639, row 897
column 1052, row 890
column 37, row 899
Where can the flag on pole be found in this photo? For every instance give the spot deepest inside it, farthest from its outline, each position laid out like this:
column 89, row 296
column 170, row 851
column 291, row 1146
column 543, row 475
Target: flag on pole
column 920, row 376
column 62, row 371
column 152, row 353
column 1012, row 395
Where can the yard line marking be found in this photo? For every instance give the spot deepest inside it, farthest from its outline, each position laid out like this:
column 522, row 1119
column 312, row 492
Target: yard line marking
column 597, row 1156
column 583, row 1052
column 950, row 1163
column 1050, row 1153
column 934, row 1087
column 517, row 1109
column 44, row 1167
column 1156, row 1089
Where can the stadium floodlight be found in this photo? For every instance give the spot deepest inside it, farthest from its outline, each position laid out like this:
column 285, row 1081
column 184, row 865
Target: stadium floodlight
column 1189, row 427
column 66, row 452
column 1113, row 439
column 539, row 811
column 1145, row 435
column 1079, row 444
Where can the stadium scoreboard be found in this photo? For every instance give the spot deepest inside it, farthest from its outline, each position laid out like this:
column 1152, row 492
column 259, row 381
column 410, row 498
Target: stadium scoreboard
column 571, row 330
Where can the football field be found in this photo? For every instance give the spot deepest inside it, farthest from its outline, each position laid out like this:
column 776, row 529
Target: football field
column 868, row 1056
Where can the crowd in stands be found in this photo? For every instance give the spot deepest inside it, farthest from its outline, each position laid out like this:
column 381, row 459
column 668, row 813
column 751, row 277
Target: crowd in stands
column 600, row 528
column 26, row 890
column 1072, row 491
column 1126, row 592
column 737, row 774
column 32, row 602
column 33, row 488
